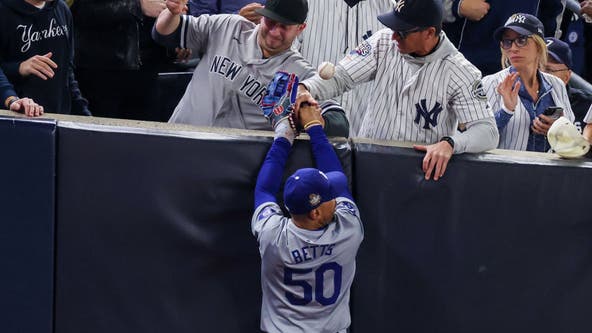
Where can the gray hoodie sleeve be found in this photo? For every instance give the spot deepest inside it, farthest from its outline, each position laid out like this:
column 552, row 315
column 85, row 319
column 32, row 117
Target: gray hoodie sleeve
column 481, row 135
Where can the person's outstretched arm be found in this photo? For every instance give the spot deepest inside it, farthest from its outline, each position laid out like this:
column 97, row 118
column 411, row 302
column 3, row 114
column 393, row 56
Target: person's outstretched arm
column 323, row 152
column 270, row 176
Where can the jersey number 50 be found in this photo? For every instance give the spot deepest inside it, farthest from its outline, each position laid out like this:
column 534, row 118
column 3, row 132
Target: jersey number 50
column 290, row 279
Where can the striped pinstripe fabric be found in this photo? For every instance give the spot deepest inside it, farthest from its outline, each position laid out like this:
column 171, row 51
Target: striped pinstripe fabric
column 333, row 31
column 515, row 135
column 405, row 89
column 588, row 117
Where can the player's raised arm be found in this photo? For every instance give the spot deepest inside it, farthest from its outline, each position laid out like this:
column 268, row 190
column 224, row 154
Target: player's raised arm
column 326, row 159
column 270, row 176
column 277, row 108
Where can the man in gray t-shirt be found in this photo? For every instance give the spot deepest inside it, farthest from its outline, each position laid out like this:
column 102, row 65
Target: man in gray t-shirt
column 238, row 60
column 308, row 260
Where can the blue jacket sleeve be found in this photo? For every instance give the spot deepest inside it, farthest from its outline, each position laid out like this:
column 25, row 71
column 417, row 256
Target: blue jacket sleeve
column 502, row 118
column 270, row 176
column 6, row 89
column 327, row 160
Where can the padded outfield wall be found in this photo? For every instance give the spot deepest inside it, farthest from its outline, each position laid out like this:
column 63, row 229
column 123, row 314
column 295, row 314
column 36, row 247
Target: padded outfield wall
column 145, row 228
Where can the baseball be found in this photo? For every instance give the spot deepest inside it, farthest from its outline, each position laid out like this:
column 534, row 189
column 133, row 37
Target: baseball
column 326, row 70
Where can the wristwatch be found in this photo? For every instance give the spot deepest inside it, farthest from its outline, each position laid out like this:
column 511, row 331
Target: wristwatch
column 449, row 140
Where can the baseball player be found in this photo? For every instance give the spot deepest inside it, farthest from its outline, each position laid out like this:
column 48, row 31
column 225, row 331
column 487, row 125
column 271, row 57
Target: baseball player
column 345, row 24
column 307, row 259
column 422, row 87
column 238, row 59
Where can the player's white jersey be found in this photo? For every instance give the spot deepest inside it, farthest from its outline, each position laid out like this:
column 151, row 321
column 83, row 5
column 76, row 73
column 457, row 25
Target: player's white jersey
column 306, row 275
column 232, row 75
column 417, row 99
column 333, row 30
column 515, row 135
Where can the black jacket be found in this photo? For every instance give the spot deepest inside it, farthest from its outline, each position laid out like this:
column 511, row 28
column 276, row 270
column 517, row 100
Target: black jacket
column 114, row 35
column 26, row 31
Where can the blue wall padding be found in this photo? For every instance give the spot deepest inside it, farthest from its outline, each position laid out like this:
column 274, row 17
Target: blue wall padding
column 27, row 211
column 497, row 245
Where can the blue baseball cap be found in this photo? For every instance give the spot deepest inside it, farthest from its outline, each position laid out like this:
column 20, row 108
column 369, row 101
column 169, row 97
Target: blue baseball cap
column 410, row 14
column 307, row 189
column 559, row 51
column 524, row 24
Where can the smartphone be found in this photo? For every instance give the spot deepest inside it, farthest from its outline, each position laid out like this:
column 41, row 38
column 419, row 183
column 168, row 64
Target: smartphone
column 553, row 112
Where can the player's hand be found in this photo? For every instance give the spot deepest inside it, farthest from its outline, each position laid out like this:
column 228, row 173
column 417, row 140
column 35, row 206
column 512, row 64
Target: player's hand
column 248, row 12
column 152, row 8
column 586, row 7
column 508, row 89
column 303, row 96
column 309, row 115
column 27, row 106
column 38, row 65
column 177, row 7
column 183, row 54
column 474, row 10
column 436, row 159
column 541, row 124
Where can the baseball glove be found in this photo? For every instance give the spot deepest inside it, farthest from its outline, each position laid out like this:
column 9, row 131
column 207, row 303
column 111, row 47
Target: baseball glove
column 278, row 102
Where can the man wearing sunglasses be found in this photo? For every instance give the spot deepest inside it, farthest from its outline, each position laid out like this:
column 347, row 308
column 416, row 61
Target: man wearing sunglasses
column 559, row 63
column 422, row 87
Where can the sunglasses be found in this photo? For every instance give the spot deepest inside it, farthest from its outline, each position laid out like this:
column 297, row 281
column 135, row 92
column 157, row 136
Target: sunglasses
column 404, row 34
column 520, row 41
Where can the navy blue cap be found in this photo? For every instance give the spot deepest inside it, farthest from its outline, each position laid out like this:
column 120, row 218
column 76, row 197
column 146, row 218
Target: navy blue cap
column 288, row 12
column 559, row 50
column 307, row 189
column 524, row 24
column 410, row 14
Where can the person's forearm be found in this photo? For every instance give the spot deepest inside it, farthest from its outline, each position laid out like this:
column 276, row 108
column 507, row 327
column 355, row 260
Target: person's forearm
column 170, row 40
column 502, row 117
column 322, row 150
column 167, row 22
column 324, row 89
column 270, row 176
column 6, row 90
column 481, row 135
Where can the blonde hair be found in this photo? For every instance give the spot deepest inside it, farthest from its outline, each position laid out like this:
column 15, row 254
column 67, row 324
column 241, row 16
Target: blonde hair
column 541, row 46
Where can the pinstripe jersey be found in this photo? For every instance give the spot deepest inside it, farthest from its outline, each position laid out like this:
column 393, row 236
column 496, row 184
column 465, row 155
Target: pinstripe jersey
column 588, row 117
column 417, row 99
column 515, row 134
column 333, row 30
column 232, row 75
column 306, row 275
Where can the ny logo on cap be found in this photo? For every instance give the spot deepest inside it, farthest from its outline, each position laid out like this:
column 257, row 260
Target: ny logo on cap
column 399, row 4
column 516, row 18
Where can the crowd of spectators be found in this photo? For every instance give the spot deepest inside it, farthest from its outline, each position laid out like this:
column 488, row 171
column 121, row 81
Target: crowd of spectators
column 79, row 56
